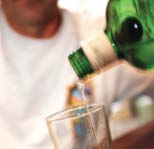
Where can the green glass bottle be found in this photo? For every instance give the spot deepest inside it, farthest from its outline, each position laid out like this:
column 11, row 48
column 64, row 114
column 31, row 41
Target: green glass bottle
column 129, row 35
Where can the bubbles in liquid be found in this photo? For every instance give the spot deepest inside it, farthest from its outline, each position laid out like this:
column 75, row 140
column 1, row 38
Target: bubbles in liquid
column 101, row 124
column 89, row 131
column 78, row 114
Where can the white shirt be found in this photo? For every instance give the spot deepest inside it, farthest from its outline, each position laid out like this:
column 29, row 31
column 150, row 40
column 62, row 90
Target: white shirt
column 34, row 74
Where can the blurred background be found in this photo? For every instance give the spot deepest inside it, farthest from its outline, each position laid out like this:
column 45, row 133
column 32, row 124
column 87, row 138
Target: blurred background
column 124, row 115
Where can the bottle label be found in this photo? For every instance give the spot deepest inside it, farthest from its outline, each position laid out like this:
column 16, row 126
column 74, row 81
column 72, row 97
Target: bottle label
column 99, row 51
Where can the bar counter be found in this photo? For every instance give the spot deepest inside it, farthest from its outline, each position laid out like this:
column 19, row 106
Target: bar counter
column 139, row 138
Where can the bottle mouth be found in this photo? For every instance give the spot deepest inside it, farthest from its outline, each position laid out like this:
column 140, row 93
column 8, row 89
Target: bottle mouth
column 80, row 63
column 99, row 51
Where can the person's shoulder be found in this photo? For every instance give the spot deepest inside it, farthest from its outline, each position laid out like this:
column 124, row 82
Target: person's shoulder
column 68, row 15
column 69, row 24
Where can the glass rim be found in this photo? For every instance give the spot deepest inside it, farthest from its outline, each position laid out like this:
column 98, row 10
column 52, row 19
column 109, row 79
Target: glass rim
column 57, row 116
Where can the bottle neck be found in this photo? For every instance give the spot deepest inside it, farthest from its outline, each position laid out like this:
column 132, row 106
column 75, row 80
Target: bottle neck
column 100, row 51
column 80, row 63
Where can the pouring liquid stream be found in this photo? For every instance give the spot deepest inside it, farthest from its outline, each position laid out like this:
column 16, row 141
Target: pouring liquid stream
column 81, row 87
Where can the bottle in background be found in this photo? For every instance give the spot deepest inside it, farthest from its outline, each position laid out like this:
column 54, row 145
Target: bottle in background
column 129, row 35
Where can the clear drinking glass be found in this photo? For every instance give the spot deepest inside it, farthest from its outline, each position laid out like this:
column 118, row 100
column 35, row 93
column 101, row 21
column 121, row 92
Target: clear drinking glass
column 81, row 127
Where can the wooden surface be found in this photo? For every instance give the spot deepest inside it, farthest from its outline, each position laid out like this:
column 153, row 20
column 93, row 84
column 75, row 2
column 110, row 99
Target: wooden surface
column 140, row 138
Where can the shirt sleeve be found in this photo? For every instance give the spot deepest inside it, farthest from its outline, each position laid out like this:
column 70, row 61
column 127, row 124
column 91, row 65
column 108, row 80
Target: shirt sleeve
column 122, row 82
